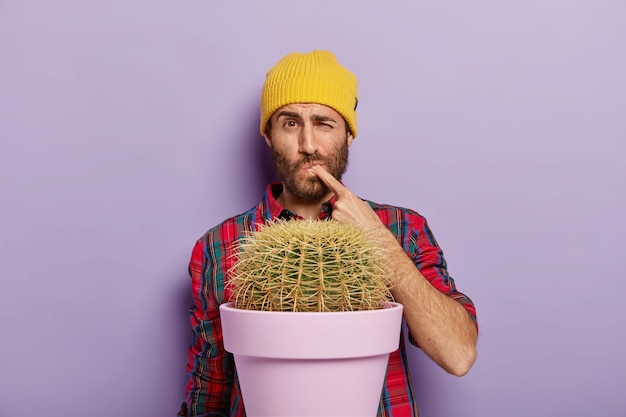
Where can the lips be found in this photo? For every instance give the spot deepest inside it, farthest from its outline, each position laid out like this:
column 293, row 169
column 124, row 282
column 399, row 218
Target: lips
column 309, row 165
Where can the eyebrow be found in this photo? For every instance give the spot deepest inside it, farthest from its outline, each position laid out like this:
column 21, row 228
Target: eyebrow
column 320, row 118
column 291, row 114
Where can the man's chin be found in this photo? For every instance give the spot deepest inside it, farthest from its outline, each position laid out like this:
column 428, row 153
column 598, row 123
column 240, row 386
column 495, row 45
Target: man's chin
column 312, row 190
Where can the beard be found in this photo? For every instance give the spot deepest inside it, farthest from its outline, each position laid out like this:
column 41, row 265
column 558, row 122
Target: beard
column 311, row 187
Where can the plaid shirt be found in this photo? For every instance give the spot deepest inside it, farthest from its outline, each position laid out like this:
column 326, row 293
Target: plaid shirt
column 213, row 388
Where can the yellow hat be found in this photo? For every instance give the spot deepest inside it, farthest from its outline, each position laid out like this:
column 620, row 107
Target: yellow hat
column 314, row 77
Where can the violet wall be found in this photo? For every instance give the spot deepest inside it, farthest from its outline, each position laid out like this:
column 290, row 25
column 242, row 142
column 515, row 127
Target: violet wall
column 128, row 128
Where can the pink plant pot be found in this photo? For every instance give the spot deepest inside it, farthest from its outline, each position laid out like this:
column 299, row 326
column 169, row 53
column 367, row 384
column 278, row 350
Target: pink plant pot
column 311, row 364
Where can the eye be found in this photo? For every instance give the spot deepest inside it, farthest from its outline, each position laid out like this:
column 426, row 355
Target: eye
column 290, row 123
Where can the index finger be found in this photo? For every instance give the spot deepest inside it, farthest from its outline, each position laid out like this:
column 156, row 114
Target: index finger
column 331, row 182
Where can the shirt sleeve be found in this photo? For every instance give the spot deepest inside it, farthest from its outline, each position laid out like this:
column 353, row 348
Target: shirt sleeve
column 428, row 258
column 209, row 366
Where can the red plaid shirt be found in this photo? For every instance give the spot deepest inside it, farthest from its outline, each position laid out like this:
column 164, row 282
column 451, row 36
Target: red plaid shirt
column 213, row 388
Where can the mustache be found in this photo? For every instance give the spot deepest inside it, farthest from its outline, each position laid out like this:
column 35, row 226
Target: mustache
column 296, row 165
column 309, row 160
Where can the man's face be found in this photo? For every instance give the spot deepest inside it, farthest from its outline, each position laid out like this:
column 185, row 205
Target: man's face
column 304, row 135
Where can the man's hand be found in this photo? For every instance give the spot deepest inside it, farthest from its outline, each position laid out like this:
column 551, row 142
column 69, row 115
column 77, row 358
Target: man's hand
column 349, row 208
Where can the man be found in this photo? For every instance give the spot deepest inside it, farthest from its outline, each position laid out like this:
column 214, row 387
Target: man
column 308, row 119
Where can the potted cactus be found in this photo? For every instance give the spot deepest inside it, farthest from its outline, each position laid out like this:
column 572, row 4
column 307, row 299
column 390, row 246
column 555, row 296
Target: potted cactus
column 311, row 321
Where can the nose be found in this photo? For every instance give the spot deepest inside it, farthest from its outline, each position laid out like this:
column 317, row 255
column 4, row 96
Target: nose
column 307, row 141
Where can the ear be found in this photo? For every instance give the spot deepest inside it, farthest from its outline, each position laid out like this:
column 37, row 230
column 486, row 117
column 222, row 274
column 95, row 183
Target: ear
column 350, row 138
column 268, row 139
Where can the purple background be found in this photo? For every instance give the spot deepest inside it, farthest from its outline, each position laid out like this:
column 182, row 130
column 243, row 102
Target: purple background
column 129, row 128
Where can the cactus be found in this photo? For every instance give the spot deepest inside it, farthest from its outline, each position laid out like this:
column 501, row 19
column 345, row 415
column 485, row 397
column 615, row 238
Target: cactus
column 309, row 265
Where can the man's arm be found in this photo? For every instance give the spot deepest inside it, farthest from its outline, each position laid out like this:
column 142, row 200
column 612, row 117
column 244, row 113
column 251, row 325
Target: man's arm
column 439, row 324
column 209, row 366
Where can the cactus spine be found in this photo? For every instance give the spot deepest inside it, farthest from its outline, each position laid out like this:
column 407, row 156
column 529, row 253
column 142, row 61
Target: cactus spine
column 309, row 265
